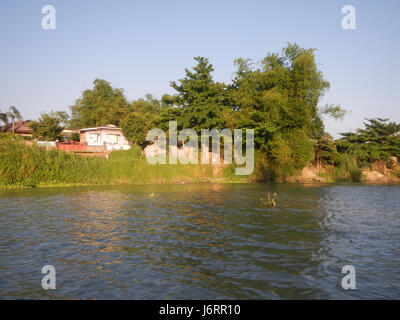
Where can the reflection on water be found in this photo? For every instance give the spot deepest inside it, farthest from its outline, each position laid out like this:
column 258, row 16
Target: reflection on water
column 205, row 241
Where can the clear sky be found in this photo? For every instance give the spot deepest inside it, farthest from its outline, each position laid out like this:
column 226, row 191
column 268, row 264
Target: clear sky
column 141, row 46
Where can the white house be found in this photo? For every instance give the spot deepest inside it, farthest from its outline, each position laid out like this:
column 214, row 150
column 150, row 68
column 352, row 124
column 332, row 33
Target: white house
column 110, row 136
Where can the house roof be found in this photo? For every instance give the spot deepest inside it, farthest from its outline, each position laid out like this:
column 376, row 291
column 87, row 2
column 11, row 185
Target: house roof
column 68, row 130
column 20, row 127
column 108, row 127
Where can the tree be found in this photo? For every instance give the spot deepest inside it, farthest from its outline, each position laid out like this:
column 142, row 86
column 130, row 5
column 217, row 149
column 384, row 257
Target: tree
column 62, row 116
column 200, row 97
column 135, row 127
column 13, row 114
column 325, row 150
column 279, row 100
column 378, row 141
column 332, row 111
column 48, row 127
column 3, row 117
column 75, row 136
column 149, row 104
column 99, row 106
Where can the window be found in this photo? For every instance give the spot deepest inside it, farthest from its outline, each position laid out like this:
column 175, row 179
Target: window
column 94, row 137
column 112, row 138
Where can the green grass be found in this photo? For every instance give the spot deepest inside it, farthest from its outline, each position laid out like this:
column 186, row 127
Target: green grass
column 346, row 169
column 268, row 171
column 24, row 165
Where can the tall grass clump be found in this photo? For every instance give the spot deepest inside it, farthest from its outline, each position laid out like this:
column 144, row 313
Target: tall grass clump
column 267, row 170
column 347, row 169
column 23, row 164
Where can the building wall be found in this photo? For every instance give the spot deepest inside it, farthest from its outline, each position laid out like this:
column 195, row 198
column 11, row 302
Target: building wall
column 114, row 139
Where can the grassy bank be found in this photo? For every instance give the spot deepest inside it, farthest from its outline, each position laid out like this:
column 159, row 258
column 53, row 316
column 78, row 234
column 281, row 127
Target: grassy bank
column 347, row 169
column 23, row 165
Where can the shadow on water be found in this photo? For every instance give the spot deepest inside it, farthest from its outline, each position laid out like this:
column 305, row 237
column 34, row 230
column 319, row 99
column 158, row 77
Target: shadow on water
column 200, row 241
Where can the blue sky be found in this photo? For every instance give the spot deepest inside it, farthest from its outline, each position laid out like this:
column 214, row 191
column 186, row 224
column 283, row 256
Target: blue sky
column 141, row 46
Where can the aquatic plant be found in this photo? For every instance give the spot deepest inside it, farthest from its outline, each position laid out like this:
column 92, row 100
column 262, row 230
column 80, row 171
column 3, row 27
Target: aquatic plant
column 269, row 201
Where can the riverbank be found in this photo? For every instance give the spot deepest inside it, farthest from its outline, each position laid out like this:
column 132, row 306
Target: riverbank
column 213, row 174
column 314, row 174
column 23, row 166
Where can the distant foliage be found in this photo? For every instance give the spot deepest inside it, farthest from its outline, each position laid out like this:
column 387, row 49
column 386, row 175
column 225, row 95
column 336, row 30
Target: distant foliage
column 379, row 140
column 135, row 126
column 325, row 151
column 49, row 126
column 12, row 115
column 99, row 106
column 75, row 136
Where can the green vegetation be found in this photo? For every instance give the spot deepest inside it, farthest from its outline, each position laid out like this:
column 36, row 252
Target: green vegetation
column 12, row 114
column 379, row 141
column 49, row 126
column 75, row 136
column 269, row 201
column 101, row 106
column 135, row 126
column 23, row 165
column 347, row 169
column 278, row 98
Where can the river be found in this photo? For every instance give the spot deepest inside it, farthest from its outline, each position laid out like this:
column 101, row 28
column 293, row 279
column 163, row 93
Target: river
column 201, row 241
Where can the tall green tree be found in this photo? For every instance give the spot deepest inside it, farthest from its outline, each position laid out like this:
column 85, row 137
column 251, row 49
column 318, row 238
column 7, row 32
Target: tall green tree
column 200, row 97
column 99, row 106
column 279, row 99
column 135, row 127
column 144, row 114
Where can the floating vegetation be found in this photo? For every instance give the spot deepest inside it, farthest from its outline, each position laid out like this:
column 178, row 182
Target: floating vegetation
column 270, row 201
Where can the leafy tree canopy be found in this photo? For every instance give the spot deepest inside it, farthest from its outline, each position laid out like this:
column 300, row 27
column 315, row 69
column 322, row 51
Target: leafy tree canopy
column 379, row 140
column 200, row 97
column 135, row 127
column 99, row 106
column 49, row 126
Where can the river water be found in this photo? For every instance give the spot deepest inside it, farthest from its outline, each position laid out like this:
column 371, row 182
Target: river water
column 201, row 241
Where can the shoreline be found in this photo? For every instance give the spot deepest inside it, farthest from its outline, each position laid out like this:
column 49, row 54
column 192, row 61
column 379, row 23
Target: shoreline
column 296, row 180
